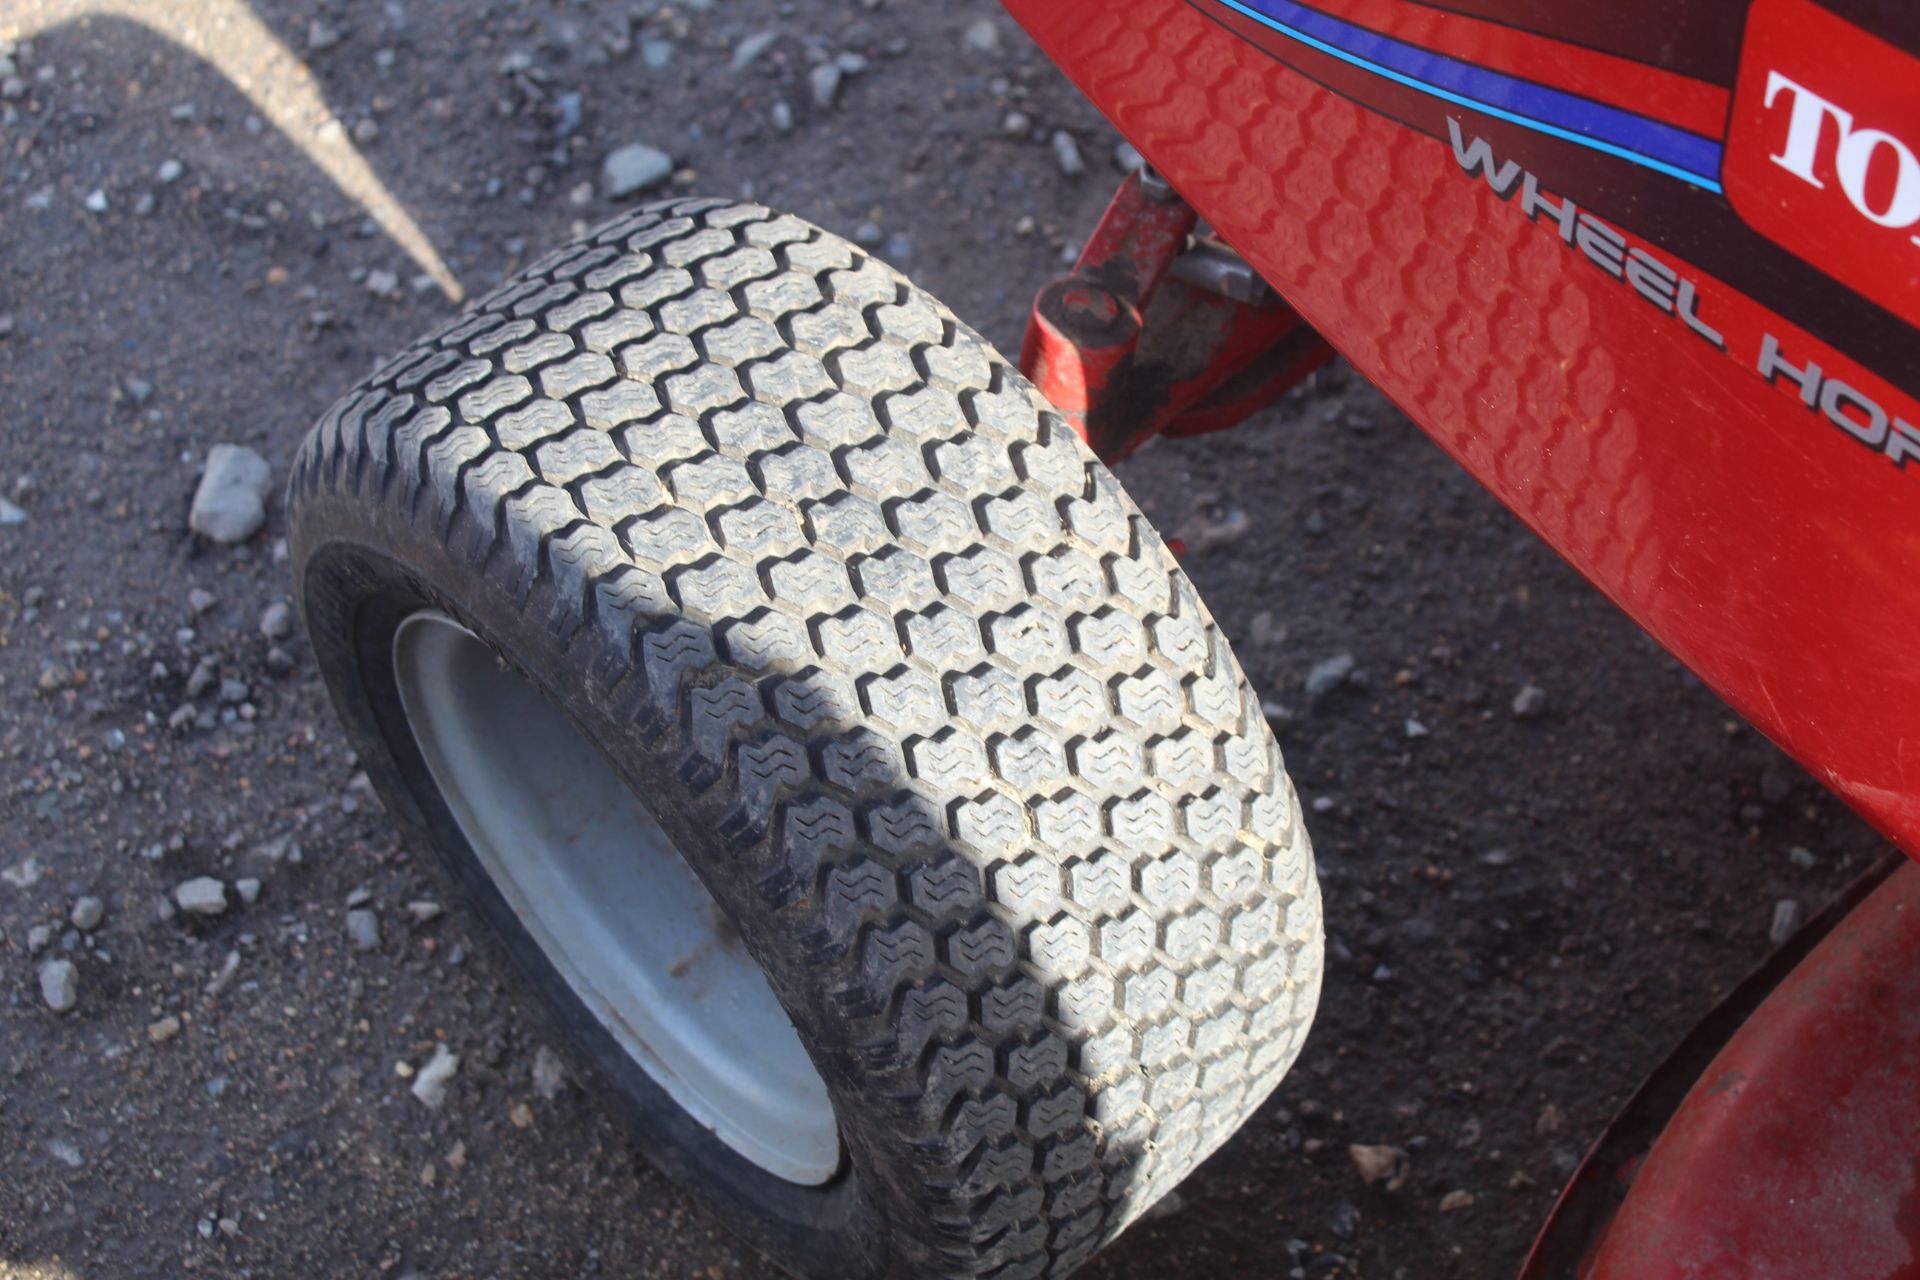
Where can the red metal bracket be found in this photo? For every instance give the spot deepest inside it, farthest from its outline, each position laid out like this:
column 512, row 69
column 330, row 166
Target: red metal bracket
column 1159, row 332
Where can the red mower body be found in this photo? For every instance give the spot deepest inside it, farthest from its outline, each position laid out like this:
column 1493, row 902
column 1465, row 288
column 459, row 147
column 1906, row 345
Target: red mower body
column 1650, row 271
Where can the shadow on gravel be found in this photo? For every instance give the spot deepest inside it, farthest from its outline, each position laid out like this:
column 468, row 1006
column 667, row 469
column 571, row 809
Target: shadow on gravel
column 230, row 38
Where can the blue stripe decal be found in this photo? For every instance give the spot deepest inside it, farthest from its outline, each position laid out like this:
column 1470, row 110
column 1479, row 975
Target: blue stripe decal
column 1657, row 146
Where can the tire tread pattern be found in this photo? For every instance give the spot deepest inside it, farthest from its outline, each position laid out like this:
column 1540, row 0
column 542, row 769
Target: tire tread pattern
column 962, row 723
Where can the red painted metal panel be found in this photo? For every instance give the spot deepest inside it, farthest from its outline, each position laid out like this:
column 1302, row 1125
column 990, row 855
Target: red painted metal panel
column 1764, row 540
column 1592, row 1198
column 1797, row 1154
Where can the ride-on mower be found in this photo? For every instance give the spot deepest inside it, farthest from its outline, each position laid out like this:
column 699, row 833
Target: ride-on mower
column 784, row 681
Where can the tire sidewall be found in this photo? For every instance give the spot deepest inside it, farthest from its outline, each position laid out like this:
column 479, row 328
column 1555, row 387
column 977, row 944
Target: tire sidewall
column 355, row 599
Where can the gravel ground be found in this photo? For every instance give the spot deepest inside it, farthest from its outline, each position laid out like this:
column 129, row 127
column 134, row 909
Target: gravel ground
column 1545, row 847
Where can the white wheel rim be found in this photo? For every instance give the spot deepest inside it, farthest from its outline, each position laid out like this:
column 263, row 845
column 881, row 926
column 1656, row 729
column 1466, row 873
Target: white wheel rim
column 611, row 902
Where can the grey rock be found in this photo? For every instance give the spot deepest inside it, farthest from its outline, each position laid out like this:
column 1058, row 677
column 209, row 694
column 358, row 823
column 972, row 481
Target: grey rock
column 899, row 249
column 824, row 82
column 1126, row 158
column 59, row 985
column 381, row 283
column 321, row 36
column 1530, row 703
column 430, row 1085
column 1419, row 930
column 199, row 600
column 569, row 106
column 249, row 890
column 25, row 874
column 1802, row 857
column 983, row 36
column 170, row 171
column 234, row 692
column 782, row 117
column 363, row 930
column 869, row 235
column 1206, row 534
column 1788, row 915
column 270, row 855
column 276, row 621
column 39, row 938
column 424, row 911
column 231, row 503
column 1016, row 124
column 850, row 62
column 549, row 1075
column 224, row 978
column 12, row 512
column 1328, row 676
column 1066, row 152
column 656, row 54
column 1415, row 729
column 279, row 661
column 205, row 675
column 87, row 914
column 750, row 48
column 634, row 168
column 201, row 896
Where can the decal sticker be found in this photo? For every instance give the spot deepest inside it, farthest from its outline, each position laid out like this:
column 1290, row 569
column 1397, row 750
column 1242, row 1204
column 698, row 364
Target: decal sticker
column 1622, row 139
column 1855, row 410
column 1646, row 142
column 1634, row 265
column 1823, row 156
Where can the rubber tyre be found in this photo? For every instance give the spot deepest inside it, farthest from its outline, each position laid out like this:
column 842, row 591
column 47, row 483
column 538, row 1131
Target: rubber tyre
column 913, row 685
